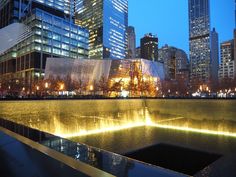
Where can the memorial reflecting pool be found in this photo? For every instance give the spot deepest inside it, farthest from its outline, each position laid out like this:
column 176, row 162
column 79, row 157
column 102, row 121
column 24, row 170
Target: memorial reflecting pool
column 125, row 125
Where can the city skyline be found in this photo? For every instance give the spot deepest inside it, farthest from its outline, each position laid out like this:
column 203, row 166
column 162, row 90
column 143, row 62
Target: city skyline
column 155, row 14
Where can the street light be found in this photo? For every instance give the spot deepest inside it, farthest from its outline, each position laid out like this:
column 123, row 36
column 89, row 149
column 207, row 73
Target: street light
column 37, row 87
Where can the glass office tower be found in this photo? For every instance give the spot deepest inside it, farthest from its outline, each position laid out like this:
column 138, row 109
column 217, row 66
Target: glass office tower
column 14, row 10
column 199, row 42
column 67, row 6
column 47, row 32
column 107, row 22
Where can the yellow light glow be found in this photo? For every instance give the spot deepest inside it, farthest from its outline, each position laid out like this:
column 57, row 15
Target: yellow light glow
column 91, row 87
column 46, row 85
column 103, row 130
column 62, row 86
column 201, row 87
column 195, row 130
column 148, row 122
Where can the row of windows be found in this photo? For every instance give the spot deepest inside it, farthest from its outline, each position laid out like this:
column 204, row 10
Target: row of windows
column 67, row 37
column 58, row 4
column 66, row 45
column 61, row 23
column 73, row 52
column 31, row 60
column 59, row 41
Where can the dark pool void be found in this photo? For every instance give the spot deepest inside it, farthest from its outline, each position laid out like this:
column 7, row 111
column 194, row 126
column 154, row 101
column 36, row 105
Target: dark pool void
column 175, row 158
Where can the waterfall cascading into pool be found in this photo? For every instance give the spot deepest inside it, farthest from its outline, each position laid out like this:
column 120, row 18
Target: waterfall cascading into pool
column 72, row 118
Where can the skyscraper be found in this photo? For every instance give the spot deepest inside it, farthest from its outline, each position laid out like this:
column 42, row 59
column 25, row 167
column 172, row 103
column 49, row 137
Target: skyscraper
column 149, row 47
column 235, row 13
column 13, row 10
column 45, row 30
column 235, row 43
column 227, row 65
column 131, row 42
column 107, row 22
column 234, row 52
column 175, row 62
column 199, row 42
column 214, row 57
column 138, row 52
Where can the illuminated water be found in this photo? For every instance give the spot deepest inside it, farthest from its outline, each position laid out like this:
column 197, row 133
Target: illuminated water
column 125, row 125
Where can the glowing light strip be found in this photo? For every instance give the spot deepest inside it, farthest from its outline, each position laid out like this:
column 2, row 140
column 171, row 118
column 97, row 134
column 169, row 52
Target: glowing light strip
column 195, row 130
column 123, row 127
column 103, row 130
column 147, row 123
column 167, row 120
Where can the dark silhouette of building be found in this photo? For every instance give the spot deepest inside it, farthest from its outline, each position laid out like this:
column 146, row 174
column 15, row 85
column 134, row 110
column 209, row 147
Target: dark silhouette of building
column 175, row 61
column 131, row 42
column 149, row 47
column 214, row 58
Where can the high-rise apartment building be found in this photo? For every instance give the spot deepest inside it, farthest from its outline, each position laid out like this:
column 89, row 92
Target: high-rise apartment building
column 214, row 58
column 199, row 42
column 45, row 30
column 149, row 47
column 227, row 65
column 131, row 42
column 107, row 22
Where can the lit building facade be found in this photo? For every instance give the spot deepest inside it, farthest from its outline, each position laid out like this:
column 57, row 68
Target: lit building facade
column 235, row 52
column 46, row 35
column 13, row 10
column 125, row 75
column 149, row 47
column 131, row 42
column 175, row 62
column 227, row 65
column 107, row 22
column 214, row 58
column 199, row 42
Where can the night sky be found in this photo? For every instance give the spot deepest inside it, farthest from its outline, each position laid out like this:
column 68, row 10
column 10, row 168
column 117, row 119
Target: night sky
column 168, row 19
